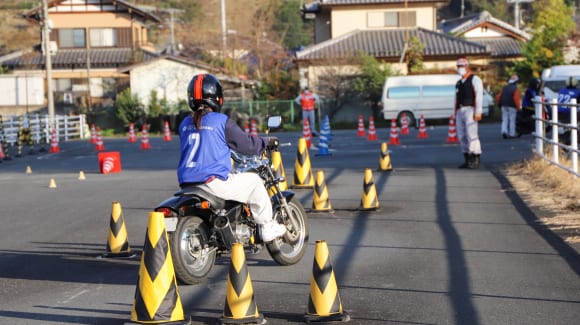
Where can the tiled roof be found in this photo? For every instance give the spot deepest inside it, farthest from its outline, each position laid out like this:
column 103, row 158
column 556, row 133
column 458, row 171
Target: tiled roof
column 372, row 2
column 501, row 47
column 77, row 58
column 459, row 26
column 390, row 43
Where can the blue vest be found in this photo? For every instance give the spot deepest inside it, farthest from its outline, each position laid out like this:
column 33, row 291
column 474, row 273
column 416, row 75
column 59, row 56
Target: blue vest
column 204, row 153
column 565, row 96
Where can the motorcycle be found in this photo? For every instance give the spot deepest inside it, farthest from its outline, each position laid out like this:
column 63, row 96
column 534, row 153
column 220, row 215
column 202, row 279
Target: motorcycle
column 201, row 226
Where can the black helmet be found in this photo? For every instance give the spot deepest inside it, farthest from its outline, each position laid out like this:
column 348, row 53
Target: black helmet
column 534, row 83
column 205, row 89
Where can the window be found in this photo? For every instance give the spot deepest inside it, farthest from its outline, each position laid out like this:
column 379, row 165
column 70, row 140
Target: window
column 439, row 91
column 103, row 37
column 72, row 37
column 392, row 19
column 403, row 92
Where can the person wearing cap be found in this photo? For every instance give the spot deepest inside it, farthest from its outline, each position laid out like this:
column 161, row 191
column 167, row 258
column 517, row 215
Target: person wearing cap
column 308, row 100
column 509, row 101
column 468, row 112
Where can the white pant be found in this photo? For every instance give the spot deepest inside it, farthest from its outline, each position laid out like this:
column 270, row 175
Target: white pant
column 508, row 120
column 467, row 131
column 246, row 188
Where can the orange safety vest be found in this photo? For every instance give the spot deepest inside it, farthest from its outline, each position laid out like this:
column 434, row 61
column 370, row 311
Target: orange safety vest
column 307, row 102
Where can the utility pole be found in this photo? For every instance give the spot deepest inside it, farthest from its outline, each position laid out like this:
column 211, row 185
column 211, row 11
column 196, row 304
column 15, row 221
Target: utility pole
column 48, row 63
column 224, row 31
column 517, row 10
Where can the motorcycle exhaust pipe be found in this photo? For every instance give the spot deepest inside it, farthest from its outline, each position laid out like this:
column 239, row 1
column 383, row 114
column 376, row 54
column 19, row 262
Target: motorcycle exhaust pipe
column 222, row 224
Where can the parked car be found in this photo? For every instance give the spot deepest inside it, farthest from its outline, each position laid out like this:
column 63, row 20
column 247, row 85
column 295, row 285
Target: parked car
column 432, row 96
column 554, row 79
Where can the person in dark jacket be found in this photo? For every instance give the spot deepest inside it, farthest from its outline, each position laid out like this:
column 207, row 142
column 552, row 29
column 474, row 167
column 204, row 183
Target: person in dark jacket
column 206, row 140
column 509, row 101
column 468, row 112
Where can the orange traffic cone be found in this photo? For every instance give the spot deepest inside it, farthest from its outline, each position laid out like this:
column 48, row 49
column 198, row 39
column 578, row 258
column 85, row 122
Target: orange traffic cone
column 145, row 145
column 93, row 134
column 422, row 129
column 361, row 127
column 306, row 134
column 247, row 128
column 99, row 145
column 2, row 156
column 452, row 134
column 166, row 132
column 54, row 143
column 394, row 137
column 254, row 129
column 404, row 124
column 132, row 137
column 372, row 132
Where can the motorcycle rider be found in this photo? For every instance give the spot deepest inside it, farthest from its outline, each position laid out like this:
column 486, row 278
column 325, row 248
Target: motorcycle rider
column 207, row 137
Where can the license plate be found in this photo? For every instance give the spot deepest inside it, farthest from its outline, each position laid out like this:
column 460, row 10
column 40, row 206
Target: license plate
column 170, row 224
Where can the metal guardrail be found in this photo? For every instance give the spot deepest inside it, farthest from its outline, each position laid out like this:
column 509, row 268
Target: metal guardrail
column 67, row 127
column 555, row 128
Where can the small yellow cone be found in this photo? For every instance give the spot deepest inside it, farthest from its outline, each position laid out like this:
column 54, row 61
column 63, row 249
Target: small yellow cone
column 52, row 183
column 82, row 176
column 28, row 170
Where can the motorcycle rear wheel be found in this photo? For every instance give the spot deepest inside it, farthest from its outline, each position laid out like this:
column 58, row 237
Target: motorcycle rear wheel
column 190, row 262
column 290, row 248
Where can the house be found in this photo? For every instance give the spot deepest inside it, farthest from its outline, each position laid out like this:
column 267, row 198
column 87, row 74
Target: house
column 169, row 75
column 89, row 41
column 503, row 40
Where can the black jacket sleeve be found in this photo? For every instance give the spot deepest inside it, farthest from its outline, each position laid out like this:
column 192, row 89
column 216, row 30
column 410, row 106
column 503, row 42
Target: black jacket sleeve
column 241, row 142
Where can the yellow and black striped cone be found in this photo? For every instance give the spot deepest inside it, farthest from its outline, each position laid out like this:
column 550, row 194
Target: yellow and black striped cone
column 302, row 170
column 321, row 201
column 240, row 306
column 324, row 303
column 118, row 243
column 279, row 169
column 369, row 199
column 157, row 298
column 385, row 161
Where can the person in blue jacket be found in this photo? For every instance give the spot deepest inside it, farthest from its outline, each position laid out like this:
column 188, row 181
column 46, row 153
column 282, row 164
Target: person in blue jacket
column 207, row 137
column 565, row 96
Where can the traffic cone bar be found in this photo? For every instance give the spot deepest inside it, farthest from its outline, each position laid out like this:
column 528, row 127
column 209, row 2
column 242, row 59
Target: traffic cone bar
column 361, row 127
column 240, row 306
column 369, row 199
column 302, row 170
column 157, row 297
column 117, row 244
column 422, row 129
column 321, row 201
column 279, row 172
column 385, row 160
column 372, row 132
column 324, row 304
column 404, row 124
column 452, row 133
column 132, row 137
column 394, row 136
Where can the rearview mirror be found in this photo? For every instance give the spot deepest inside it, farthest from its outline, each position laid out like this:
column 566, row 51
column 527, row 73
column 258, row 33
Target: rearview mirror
column 274, row 122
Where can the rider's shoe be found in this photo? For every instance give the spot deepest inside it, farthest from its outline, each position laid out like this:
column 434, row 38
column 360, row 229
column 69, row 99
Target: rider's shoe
column 272, row 230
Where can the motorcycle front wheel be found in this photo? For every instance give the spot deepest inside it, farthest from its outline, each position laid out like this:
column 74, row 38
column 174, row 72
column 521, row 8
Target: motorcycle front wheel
column 192, row 262
column 290, row 248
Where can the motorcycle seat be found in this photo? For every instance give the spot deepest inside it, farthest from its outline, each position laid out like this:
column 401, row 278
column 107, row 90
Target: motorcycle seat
column 195, row 190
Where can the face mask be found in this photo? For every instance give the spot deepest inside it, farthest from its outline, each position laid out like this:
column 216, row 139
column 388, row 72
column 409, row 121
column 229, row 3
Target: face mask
column 461, row 71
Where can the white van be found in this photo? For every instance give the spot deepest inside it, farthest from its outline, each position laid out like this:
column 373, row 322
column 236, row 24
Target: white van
column 432, row 96
column 554, row 79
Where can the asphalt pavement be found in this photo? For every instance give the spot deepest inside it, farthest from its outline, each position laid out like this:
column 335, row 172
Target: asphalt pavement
column 445, row 246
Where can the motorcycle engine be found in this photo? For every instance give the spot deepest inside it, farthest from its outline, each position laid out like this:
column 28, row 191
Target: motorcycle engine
column 243, row 233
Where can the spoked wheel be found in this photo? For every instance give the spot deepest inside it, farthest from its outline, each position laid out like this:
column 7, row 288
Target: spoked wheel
column 289, row 249
column 192, row 262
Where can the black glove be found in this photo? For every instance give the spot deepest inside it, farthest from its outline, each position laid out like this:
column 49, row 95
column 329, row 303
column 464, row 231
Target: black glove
column 272, row 142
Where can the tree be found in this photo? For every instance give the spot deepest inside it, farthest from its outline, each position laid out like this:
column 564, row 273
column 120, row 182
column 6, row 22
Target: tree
column 290, row 26
column 335, row 83
column 414, row 55
column 128, row 108
column 371, row 80
column 551, row 26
